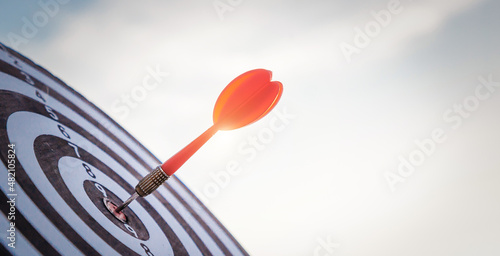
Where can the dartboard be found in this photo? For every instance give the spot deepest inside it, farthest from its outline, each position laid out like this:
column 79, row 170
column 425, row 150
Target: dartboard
column 63, row 158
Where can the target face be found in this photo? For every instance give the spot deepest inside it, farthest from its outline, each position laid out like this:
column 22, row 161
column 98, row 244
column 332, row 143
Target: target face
column 63, row 160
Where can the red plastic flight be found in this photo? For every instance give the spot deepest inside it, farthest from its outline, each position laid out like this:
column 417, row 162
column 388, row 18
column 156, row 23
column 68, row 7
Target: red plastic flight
column 246, row 99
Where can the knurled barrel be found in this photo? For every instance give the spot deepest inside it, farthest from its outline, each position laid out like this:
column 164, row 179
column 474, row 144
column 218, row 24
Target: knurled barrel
column 151, row 182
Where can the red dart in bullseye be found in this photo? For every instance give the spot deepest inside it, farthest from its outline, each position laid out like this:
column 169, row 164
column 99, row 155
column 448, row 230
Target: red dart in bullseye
column 246, row 99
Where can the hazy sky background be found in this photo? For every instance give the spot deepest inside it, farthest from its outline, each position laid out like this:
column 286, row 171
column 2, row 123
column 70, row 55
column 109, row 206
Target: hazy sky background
column 322, row 175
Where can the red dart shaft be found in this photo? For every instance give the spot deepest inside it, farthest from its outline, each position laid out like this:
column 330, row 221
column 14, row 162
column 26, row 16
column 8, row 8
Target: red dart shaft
column 177, row 160
column 154, row 179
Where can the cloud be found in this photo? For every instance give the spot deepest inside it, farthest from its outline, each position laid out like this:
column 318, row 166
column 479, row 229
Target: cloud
column 415, row 20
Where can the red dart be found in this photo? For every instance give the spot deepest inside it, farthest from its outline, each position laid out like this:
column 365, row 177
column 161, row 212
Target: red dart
column 246, row 99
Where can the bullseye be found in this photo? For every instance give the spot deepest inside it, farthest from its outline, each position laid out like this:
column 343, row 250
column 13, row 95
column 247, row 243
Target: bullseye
column 112, row 207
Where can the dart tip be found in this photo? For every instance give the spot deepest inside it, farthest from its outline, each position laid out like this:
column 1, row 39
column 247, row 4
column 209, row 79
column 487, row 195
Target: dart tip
column 127, row 202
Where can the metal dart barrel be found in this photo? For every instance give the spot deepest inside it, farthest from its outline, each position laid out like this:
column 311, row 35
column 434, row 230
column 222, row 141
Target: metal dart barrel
column 146, row 186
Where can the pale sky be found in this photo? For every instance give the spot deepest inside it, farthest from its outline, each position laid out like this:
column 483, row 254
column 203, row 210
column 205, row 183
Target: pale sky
column 316, row 168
